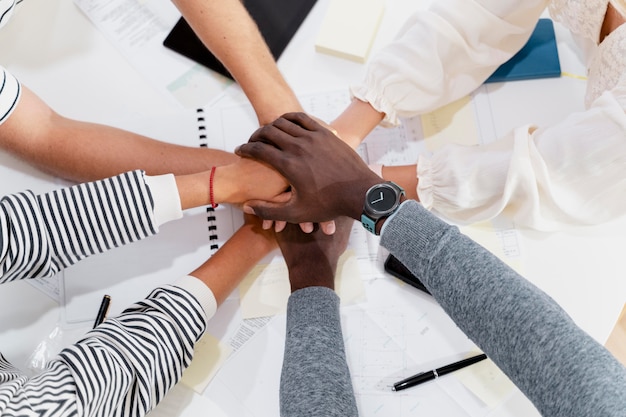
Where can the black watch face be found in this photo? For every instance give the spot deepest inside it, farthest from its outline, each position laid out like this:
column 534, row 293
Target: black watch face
column 382, row 199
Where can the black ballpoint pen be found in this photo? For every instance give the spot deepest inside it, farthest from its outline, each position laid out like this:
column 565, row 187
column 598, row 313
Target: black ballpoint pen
column 436, row 373
column 102, row 312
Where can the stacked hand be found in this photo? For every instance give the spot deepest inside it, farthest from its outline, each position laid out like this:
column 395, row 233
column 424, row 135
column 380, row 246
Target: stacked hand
column 312, row 257
column 328, row 179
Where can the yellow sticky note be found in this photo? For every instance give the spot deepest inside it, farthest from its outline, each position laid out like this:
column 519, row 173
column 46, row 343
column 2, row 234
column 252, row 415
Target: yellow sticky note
column 208, row 355
column 453, row 123
column 349, row 28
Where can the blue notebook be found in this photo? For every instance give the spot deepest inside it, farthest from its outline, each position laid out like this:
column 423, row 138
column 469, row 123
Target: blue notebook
column 539, row 58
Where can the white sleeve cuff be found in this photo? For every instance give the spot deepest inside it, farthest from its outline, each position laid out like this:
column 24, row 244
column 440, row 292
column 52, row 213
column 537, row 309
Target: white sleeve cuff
column 200, row 291
column 164, row 191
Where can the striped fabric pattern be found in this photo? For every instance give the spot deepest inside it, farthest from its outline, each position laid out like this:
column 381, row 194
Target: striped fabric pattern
column 10, row 91
column 40, row 236
column 6, row 10
column 126, row 365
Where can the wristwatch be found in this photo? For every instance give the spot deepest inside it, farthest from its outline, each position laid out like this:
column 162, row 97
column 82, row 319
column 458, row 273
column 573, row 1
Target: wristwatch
column 381, row 201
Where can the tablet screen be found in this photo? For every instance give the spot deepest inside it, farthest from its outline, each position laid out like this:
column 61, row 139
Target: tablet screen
column 278, row 21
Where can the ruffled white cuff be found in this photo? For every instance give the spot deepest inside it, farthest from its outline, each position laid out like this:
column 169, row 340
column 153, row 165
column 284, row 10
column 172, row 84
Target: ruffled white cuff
column 378, row 102
column 425, row 188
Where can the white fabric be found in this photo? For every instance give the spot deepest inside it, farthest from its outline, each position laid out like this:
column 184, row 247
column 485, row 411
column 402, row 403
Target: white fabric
column 9, row 94
column 166, row 198
column 444, row 53
column 570, row 173
column 6, row 10
column 201, row 292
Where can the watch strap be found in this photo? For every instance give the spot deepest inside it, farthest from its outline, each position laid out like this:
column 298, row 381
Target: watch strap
column 368, row 223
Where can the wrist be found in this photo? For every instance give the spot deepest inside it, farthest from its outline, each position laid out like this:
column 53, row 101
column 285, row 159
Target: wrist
column 381, row 222
column 357, row 196
column 224, row 185
column 316, row 275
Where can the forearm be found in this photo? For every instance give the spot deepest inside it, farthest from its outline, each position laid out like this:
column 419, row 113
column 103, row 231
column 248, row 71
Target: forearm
column 444, row 53
column 229, row 32
column 356, row 122
column 315, row 378
column 223, row 271
column 551, row 178
column 128, row 363
column 510, row 319
column 81, row 151
column 44, row 234
column 405, row 176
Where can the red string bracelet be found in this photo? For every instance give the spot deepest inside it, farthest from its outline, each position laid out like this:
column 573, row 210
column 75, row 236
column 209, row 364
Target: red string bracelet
column 211, row 196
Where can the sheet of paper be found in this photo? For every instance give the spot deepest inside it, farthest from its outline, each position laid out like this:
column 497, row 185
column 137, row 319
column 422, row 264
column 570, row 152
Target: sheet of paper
column 349, row 28
column 265, row 291
column 137, row 29
column 487, row 382
column 129, row 273
column 397, row 332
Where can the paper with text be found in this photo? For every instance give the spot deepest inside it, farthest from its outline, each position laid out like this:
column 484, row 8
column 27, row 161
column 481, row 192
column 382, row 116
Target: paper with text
column 137, row 29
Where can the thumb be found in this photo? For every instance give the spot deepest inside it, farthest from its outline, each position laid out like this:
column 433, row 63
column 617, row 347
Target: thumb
column 267, row 210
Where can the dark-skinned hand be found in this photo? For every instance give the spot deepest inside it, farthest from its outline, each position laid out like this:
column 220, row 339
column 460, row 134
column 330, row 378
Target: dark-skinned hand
column 312, row 257
column 328, row 178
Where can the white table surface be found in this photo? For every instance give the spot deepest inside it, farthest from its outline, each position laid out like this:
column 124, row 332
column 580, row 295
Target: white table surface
column 56, row 51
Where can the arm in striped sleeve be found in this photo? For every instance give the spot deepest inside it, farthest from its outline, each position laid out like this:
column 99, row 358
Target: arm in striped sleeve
column 40, row 235
column 126, row 365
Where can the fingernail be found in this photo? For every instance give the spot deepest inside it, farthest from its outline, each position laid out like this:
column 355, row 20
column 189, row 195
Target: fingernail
column 248, row 210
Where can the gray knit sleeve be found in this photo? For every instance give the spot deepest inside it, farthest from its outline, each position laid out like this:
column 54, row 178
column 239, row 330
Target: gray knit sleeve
column 315, row 378
column 559, row 367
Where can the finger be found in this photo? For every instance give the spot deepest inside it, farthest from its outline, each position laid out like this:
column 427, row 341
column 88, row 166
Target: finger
column 280, row 226
column 262, row 152
column 296, row 124
column 274, row 133
column 303, row 120
column 307, row 227
column 328, row 228
column 269, row 211
column 282, row 197
column 267, row 224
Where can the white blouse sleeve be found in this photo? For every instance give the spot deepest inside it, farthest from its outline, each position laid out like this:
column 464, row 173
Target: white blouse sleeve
column 444, row 53
column 571, row 173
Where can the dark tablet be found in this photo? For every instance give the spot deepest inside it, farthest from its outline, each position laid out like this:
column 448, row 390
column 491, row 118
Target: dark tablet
column 278, row 21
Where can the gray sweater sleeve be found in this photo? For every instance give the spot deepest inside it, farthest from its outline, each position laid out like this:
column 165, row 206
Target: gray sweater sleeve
column 559, row 367
column 315, row 379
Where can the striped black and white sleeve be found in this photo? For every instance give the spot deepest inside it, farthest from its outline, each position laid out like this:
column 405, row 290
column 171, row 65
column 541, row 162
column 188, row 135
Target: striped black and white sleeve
column 122, row 368
column 40, row 235
column 10, row 91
